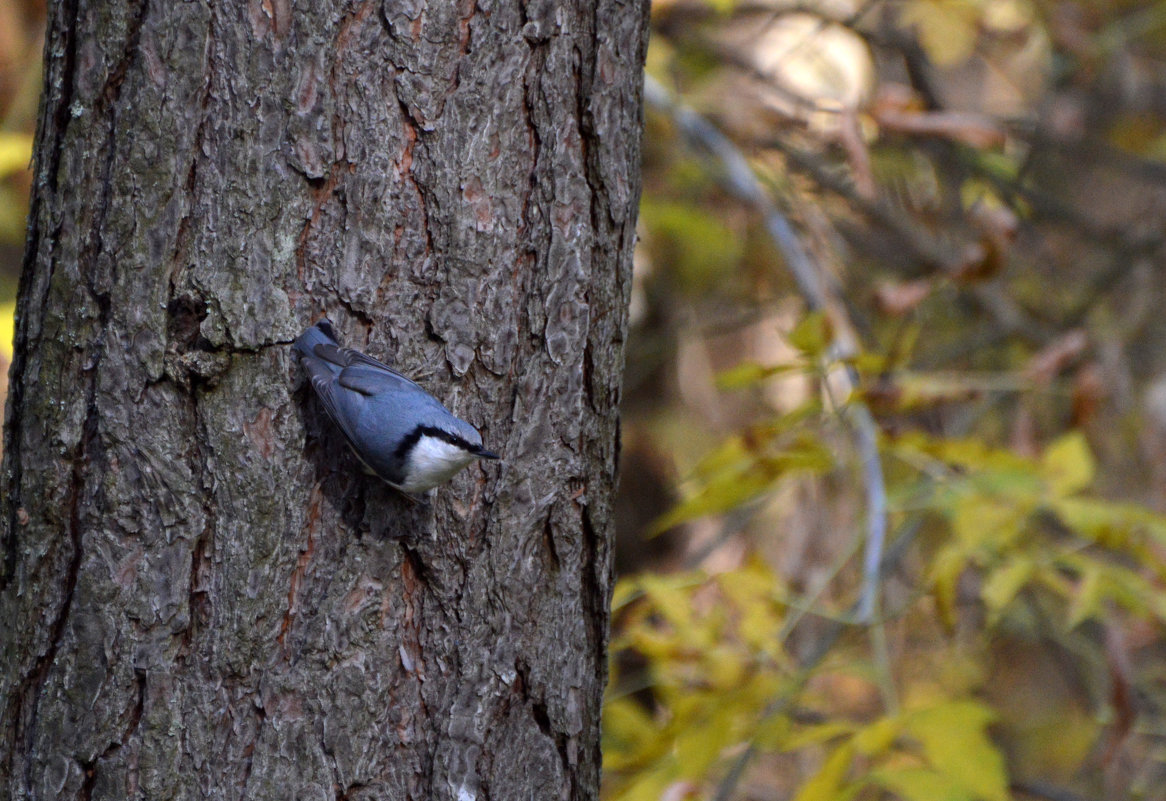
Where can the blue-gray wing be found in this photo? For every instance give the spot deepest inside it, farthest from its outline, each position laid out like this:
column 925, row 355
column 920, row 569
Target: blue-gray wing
column 342, row 405
column 362, row 400
column 390, row 405
column 354, row 359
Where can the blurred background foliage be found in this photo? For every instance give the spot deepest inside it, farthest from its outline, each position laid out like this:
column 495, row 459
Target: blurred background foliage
column 934, row 226
column 974, row 201
column 21, row 40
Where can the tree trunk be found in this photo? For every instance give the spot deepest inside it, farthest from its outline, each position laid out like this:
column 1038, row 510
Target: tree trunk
column 201, row 594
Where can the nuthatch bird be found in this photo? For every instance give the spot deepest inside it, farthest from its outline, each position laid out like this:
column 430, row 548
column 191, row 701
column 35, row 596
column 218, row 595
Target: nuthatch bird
column 399, row 431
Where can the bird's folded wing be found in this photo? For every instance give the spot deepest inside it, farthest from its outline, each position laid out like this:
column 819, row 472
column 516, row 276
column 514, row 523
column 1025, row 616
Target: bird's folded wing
column 347, row 357
column 374, row 380
column 331, row 395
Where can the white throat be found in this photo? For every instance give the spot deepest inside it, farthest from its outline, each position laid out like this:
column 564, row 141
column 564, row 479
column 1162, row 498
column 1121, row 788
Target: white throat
column 433, row 461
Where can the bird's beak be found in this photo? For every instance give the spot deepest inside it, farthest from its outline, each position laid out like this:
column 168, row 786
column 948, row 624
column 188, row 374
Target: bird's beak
column 487, row 455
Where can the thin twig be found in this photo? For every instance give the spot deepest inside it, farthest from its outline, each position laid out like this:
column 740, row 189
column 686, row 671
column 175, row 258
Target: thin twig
column 1045, row 790
column 876, row 506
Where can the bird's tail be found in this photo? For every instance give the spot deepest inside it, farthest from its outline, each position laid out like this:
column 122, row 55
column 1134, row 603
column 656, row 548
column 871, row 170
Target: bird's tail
column 319, row 334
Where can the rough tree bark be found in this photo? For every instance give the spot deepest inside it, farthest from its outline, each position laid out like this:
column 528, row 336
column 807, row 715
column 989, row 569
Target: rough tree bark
column 201, row 596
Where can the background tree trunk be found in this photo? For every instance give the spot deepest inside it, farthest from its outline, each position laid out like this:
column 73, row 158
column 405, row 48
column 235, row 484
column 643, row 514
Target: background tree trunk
column 201, row 596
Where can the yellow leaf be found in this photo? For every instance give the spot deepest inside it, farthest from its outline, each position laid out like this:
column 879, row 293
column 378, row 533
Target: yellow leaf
column 816, row 734
column 878, row 737
column 669, row 596
column 15, row 152
column 1068, row 464
column 980, row 522
column 627, row 730
column 918, row 784
column 7, row 328
column 742, row 469
column 624, row 593
column 1087, row 601
column 746, row 374
column 722, row 6
column 750, row 590
column 828, row 784
column 970, row 454
column 1003, row 583
column 947, row 29
column 649, row 785
column 725, row 493
column 1109, row 523
column 654, row 644
column 946, row 568
column 813, row 334
column 1120, row 585
column 698, row 747
column 955, row 741
column 724, row 667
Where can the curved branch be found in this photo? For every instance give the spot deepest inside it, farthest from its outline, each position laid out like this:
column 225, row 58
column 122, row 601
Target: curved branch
column 739, row 178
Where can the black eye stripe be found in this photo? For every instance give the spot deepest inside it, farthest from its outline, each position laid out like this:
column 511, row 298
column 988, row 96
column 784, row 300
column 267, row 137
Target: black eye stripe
column 437, row 433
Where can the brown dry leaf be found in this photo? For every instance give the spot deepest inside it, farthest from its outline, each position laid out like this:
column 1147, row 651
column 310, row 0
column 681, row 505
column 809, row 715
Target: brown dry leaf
column 978, row 261
column 1022, row 439
column 1088, row 393
column 895, row 97
column 1056, row 356
column 999, row 223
